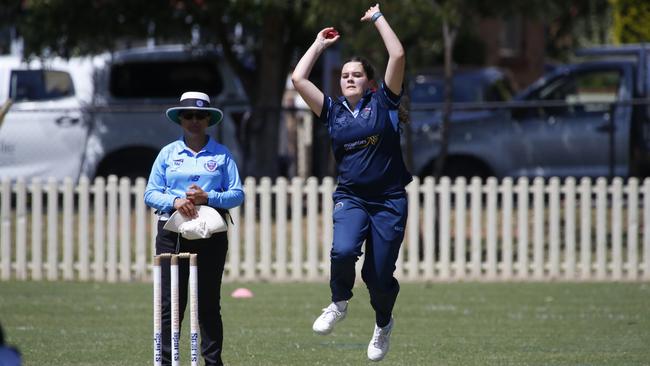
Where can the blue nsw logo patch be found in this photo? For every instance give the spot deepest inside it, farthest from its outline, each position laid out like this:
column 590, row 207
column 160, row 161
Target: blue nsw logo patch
column 210, row 165
column 365, row 113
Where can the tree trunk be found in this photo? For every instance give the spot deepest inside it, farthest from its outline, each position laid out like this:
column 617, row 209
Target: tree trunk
column 449, row 36
column 260, row 142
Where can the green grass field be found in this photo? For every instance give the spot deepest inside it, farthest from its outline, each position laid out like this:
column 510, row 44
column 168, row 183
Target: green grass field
column 435, row 324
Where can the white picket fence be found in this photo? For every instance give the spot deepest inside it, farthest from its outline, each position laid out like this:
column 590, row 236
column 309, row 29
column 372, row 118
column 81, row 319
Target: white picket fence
column 498, row 231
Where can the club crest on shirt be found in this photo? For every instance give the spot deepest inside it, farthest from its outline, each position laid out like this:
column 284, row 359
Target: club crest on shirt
column 210, row 165
column 365, row 113
column 338, row 206
column 178, row 162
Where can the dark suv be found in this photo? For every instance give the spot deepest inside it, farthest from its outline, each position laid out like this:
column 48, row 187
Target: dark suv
column 586, row 119
column 426, row 93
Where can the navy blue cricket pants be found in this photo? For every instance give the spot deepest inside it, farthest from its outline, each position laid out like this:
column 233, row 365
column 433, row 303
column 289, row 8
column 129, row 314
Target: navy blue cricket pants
column 380, row 222
column 211, row 259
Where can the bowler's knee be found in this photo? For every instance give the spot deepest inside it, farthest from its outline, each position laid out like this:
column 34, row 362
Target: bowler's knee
column 345, row 253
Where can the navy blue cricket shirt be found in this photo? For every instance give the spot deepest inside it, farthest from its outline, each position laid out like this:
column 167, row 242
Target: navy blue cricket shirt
column 366, row 143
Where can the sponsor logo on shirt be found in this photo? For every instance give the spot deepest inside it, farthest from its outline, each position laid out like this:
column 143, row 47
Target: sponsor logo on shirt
column 194, row 178
column 178, row 162
column 210, row 165
column 338, row 206
column 363, row 143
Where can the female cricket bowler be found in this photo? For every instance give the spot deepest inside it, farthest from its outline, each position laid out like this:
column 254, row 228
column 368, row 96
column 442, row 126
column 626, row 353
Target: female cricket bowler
column 370, row 200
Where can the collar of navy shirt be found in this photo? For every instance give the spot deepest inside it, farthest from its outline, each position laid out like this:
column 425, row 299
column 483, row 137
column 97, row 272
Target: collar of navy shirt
column 364, row 99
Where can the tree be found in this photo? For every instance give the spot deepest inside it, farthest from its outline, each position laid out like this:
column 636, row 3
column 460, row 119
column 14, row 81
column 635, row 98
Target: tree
column 79, row 27
column 260, row 40
column 451, row 17
column 631, row 19
column 582, row 23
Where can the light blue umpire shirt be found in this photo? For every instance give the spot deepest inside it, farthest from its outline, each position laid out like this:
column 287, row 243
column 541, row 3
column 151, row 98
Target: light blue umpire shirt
column 177, row 167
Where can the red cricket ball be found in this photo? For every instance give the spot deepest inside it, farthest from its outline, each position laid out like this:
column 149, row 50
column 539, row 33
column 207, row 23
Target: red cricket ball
column 331, row 33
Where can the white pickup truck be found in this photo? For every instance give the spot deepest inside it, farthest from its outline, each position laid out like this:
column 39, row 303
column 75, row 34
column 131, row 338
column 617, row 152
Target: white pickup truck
column 104, row 114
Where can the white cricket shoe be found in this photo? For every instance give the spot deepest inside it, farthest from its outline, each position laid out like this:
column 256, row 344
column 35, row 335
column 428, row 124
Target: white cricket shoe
column 380, row 342
column 324, row 324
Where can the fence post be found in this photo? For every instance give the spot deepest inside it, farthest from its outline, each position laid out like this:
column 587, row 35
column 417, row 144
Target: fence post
column 444, row 220
column 601, row 228
column 570, row 228
column 296, row 228
column 646, row 229
column 632, row 228
column 249, row 228
column 522, row 227
column 617, row 228
column 234, row 244
column 5, row 235
column 585, row 228
column 413, row 229
column 83, row 192
column 37, row 229
column 328, row 225
column 538, row 228
column 281, row 228
column 460, row 243
column 52, row 229
column 312, row 228
column 265, row 228
column 99, row 247
column 491, row 270
column 68, row 238
column 125, row 229
column 506, row 228
column 429, row 221
column 21, row 229
column 111, row 228
column 141, row 211
column 476, row 203
column 554, row 228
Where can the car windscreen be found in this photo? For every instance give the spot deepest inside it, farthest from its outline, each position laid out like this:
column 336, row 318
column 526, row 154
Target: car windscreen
column 38, row 85
column 166, row 79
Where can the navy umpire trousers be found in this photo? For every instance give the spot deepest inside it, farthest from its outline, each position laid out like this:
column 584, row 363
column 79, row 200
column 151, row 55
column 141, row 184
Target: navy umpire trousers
column 380, row 222
column 211, row 258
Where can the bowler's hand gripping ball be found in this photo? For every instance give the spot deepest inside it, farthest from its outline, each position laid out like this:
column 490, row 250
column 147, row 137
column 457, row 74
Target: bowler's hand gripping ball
column 331, row 33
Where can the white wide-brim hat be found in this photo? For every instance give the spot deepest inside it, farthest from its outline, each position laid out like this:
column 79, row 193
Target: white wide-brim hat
column 195, row 101
column 207, row 222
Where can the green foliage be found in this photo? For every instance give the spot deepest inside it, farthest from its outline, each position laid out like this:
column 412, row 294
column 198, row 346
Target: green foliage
column 71, row 323
column 73, row 27
column 631, row 19
column 583, row 23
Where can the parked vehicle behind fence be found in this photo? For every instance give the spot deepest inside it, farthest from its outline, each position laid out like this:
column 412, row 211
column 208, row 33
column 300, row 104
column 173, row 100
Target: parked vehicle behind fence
column 45, row 130
column 587, row 119
column 426, row 91
column 104, row 115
